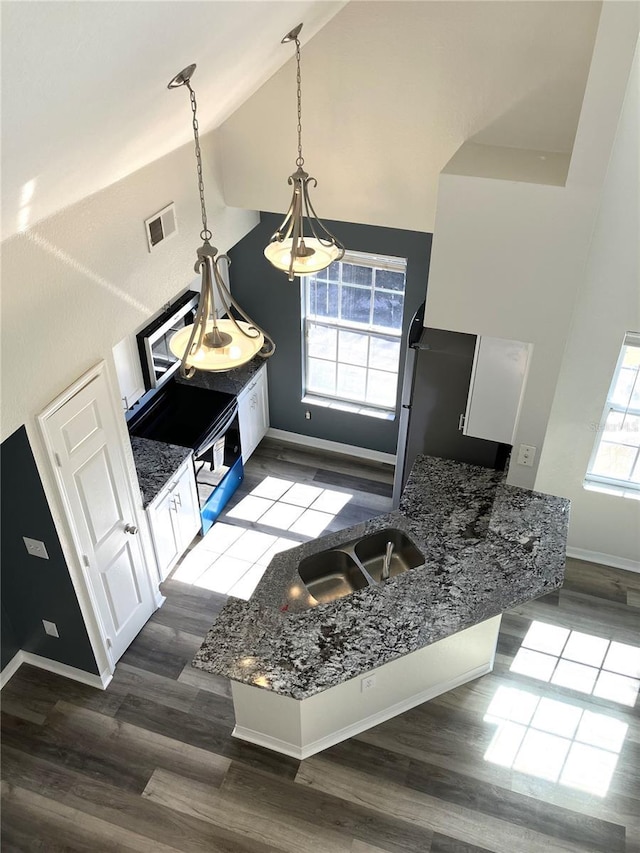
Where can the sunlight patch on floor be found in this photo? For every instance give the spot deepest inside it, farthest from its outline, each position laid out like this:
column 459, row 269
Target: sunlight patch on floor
column 232, row 558
column 554, row 740
column 582, row 662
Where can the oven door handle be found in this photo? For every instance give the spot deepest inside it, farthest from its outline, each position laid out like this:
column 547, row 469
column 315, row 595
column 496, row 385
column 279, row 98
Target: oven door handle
column 220, row 430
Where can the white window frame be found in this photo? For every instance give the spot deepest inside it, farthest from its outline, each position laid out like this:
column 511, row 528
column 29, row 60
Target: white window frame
column 624, row 487
column 375, row 262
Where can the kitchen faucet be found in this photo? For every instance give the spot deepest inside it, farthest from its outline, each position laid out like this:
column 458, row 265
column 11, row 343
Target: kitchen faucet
column 387, row 561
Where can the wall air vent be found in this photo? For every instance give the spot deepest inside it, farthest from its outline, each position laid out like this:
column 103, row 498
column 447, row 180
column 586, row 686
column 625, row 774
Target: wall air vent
column 161, row 226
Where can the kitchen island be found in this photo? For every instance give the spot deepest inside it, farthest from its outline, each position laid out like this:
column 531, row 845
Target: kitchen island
column 301, row 671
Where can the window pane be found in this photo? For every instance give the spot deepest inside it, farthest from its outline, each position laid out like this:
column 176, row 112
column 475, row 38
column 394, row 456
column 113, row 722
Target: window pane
column 353, row 348
column 357, row 275
column 630, row 432
column 631, row 356
column 323, row 299
column 387, row 310
column 321, row 377
column 390, row 280
column 622, row 429
column 614, row 460
column 321, row 341
column 624, row 386
column 351, row 382
column 384, row 354
column 381, row 389
column 356, row 304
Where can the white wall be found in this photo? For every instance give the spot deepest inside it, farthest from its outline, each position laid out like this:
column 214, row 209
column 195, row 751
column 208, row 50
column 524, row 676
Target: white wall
column 608, row 306
column 508, row 256
column 77, row 283
column 390, row 90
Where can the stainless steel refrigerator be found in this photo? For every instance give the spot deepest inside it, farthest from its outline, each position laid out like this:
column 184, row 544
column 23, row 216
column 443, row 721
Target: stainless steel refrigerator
column 435, row 387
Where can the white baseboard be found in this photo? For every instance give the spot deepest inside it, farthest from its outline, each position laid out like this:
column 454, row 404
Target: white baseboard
column 302, row 752
column 10, row 669
column 605, row 559
column 99, row 681
column 333, row 446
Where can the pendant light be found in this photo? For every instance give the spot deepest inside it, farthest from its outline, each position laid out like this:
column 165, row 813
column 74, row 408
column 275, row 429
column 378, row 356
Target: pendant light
column 289, row 249
column 216, row 340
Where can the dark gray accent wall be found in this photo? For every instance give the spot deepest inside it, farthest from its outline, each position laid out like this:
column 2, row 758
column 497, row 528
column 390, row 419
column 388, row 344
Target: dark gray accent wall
column 274, row 303
column 34, row 589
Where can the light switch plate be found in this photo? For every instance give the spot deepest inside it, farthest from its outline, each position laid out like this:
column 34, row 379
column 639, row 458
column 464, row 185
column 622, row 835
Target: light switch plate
column 36, row 548
column 50, row 628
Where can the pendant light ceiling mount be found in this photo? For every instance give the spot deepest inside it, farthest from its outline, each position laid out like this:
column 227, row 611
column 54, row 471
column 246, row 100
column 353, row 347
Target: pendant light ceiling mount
column 216, row 340
column 289, row 249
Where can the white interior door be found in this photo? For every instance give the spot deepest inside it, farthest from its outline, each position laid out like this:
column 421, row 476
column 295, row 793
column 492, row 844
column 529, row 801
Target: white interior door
column 82, row 436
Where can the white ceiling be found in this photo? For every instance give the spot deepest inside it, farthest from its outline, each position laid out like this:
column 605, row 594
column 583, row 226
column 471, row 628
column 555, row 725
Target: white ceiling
column 391, row 90
column 84, row 86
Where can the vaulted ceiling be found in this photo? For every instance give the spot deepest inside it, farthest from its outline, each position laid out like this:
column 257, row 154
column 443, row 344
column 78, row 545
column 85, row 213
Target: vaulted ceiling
column 391, row 90
column 84, row 86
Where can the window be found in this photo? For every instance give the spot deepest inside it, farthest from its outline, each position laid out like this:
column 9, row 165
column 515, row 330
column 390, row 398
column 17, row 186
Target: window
column 615, row 461
column 352, row 333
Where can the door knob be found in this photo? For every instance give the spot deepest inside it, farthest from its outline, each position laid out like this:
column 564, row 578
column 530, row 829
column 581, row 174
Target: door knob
column 130, row 528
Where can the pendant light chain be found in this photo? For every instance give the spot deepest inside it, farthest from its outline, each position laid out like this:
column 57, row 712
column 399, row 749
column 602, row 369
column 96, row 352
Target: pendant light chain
column 205, row 234
column 300, row 160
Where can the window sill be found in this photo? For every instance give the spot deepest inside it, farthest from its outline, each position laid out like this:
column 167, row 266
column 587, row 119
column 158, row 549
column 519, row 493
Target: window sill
column 353, row 408
column 616, row 491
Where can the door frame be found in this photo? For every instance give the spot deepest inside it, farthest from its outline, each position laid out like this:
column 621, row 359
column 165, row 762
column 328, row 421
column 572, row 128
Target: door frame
column 83, row 588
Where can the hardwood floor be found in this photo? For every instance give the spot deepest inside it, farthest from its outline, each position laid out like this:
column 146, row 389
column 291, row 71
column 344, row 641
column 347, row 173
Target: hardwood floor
column 150, row 764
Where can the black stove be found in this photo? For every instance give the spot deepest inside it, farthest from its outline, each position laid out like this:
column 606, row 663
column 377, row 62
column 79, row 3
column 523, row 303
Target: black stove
column 185, row 415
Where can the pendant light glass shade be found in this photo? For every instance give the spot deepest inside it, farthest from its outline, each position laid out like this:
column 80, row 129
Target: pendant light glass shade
column 217, row 340
column 240, row 349
column 290, row 249
column 279, row 254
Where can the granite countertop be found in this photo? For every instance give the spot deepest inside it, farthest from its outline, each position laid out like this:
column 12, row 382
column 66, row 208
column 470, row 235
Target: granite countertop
column 488, row 547
column 230, row 381
column 156, row 462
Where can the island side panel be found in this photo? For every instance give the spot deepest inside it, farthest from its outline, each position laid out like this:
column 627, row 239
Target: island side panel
column 303, row 727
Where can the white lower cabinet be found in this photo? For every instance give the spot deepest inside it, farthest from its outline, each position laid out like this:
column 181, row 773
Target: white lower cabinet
column 174, row 518
column 253, row 412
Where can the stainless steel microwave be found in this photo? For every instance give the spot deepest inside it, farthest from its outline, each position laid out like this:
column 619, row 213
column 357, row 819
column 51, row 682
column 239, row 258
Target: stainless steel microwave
column 157, row 360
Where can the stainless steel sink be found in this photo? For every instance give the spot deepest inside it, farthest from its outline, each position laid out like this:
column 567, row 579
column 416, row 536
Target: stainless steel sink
column 370, row 552
column 330, row 575
column 355, row 565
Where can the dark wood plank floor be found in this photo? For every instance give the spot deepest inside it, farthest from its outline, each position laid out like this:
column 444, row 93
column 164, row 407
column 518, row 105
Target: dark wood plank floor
column 150, row 764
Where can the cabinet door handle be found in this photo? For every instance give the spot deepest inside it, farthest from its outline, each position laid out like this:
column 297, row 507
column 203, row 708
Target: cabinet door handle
column 130, row 528
column 461, row 421
column 177, row 499
column 173, row 504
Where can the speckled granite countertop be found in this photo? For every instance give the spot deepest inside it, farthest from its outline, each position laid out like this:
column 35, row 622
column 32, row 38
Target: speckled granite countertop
column 231, row 381
column 487, row 547
column 156, row 462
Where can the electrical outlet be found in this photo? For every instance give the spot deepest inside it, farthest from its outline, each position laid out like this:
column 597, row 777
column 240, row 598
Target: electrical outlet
column 50, row 628
column 35, row 547
column 307, row 415
column 526, row 455
column 368, row 683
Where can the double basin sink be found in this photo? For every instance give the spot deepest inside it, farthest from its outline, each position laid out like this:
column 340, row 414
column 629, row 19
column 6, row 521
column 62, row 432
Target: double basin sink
column 358, row 564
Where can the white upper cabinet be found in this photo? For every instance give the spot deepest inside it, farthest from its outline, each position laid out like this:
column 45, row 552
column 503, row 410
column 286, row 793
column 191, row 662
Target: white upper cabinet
column 127, row 362
column 497, row 387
